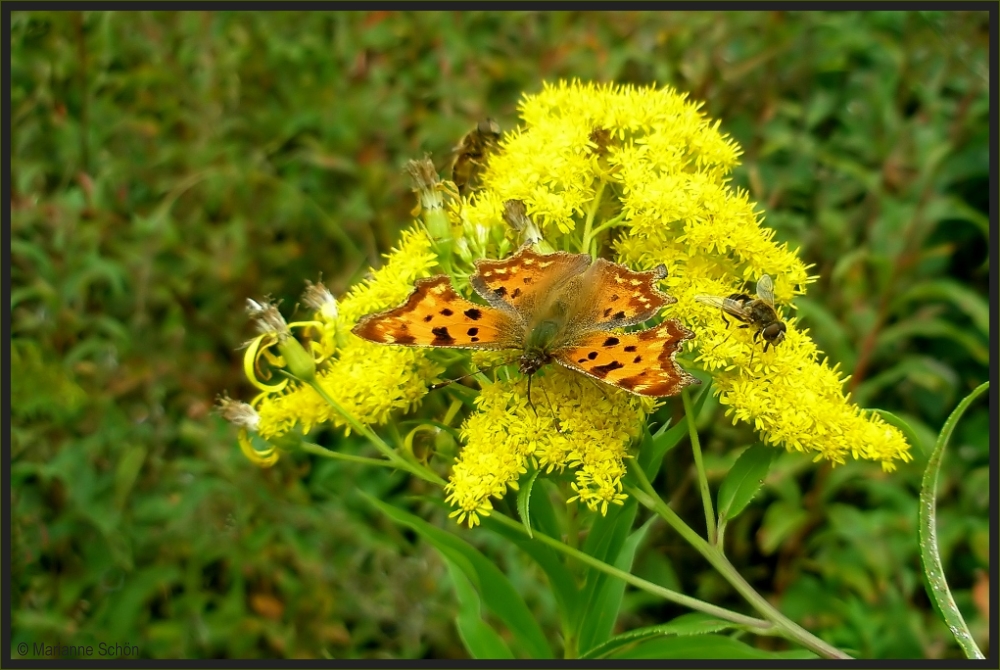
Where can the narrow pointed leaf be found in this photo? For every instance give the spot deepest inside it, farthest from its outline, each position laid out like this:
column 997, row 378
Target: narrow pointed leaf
column 524, row 501
column 937, row 586
column 480, row 640
column 744, row 481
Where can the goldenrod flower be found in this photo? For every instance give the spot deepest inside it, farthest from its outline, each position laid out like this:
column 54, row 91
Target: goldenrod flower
column 658, row 172
column 576, row 423
column 590, row 160
column 368, row 380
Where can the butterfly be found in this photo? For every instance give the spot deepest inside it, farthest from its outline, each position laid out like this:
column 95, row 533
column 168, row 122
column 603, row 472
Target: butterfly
column 558, row 307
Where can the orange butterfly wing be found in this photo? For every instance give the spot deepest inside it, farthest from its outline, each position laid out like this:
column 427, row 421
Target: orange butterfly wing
column 526, row 280
column 641, row 362
column 617, row 296
column 434, row 315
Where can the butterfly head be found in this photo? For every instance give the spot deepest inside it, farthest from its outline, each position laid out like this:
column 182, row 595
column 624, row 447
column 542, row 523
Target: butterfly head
column 534, row 360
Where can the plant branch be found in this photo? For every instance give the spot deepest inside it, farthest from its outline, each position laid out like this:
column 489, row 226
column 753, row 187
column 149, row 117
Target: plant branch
column 387, row 451
column 317, row 450
column 758, row 625
column 706, row 494
column 648, row 497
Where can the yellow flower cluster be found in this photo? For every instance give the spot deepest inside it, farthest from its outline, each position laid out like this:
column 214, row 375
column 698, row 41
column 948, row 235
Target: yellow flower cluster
column 657, row 170
column 579, row 424
column 592, row 160
column 369, row 381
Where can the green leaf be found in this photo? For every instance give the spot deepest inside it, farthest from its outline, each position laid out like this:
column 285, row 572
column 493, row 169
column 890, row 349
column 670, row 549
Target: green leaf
column 563, row 587
column 544, row 514
column 743, row 481
column 604, row 542
column 780, row 520
column 606, row 599
column 923, row 371
column 693, row 623
column 961, row 296
column 704, row 646
column 493, row 586
column 127, row 472
column 937, row 586
column 480, row 640
column 892, row 337
column 524, row 501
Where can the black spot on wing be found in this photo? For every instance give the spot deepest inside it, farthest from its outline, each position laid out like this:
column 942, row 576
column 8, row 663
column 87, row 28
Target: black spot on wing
column 404, row 339
column 473, row 313
column 630, row 348
column 472, row 331
column 516, row 293
column 501, row 291
column 611, row 341
column 619, row 315
column 428, row 318
column 607, row 312
column 603, row 370
column 446, row 312
column 442, row 336
column 637, row 359
column 592, row 355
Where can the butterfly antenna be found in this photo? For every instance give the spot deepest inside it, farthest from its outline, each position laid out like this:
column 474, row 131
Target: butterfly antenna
column 552, row 409
column 434, row 387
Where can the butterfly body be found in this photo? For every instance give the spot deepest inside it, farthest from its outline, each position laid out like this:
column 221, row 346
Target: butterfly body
column 558, row 307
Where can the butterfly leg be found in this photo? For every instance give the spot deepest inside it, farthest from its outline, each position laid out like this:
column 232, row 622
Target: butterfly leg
column 531, row 404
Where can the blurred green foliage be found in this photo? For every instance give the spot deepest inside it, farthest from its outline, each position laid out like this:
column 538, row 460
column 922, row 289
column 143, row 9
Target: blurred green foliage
column 165, row 166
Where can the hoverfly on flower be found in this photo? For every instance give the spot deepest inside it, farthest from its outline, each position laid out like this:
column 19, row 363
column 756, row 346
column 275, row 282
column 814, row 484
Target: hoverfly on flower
column 757, row 313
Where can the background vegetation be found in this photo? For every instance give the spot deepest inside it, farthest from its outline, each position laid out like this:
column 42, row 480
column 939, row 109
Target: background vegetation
column 165, row 166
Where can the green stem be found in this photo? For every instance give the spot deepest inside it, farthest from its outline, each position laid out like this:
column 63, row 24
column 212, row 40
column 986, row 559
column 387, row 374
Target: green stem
column 759, row 626
column 588, row 225
column 610, row 223
column 648, row 497
column 706, row 494
column 317, row 450
column 387, row 451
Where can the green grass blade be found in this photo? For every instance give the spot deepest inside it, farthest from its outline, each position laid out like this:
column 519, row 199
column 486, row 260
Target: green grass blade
column 480, row 640
column 929, row 556
column 605, row 599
